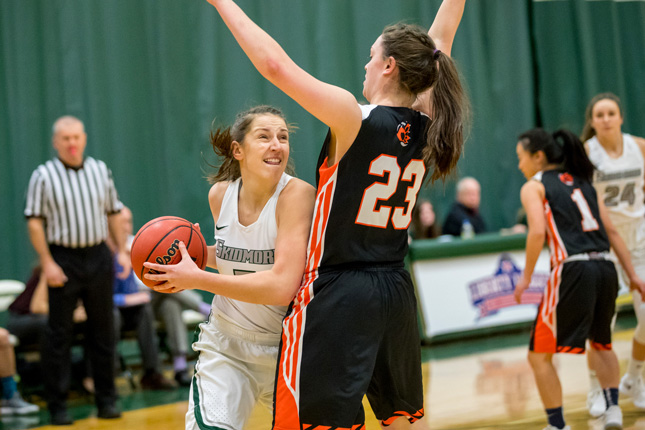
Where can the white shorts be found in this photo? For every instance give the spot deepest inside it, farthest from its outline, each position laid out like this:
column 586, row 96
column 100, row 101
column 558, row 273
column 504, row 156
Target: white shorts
column 633, row 234
column 235, row 370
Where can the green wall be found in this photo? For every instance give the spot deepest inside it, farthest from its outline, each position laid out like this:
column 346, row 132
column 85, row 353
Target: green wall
column 148, row 77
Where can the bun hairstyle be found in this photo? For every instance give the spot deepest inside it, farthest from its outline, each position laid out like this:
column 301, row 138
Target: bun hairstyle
column 422, row 67
column 562, row 148
column 222, row 140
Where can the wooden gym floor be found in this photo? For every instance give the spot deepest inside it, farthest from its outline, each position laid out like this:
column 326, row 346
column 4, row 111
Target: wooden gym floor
column 484, row 383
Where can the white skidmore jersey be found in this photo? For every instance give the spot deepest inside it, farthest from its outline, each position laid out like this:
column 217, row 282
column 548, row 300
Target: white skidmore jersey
column 247, row 249
column 620, row 180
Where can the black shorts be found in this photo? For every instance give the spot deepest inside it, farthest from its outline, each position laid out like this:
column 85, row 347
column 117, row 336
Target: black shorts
column 347, row 334
column 579, row 303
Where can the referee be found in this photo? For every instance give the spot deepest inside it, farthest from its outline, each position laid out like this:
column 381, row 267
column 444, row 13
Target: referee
column 71, row 203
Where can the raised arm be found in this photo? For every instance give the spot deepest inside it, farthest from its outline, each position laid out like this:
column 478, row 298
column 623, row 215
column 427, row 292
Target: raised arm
column 442, row 32
column 445, row 24
column 272, row 287
column 332, row 105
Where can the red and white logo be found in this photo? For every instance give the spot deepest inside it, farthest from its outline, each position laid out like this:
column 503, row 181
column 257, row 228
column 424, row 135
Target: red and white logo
column 403, row 133
column 566, row 178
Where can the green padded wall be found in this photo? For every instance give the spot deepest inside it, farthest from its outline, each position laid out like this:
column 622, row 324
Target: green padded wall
column 149, row 77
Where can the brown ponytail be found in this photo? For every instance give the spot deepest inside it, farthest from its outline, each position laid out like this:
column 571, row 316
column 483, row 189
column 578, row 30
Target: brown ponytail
column 229, row 170
column 423, row 67
column 448, row 127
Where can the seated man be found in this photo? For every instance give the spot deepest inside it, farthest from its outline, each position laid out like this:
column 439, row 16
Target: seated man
column 12, row 402
column 465, row 209
column 28, row 315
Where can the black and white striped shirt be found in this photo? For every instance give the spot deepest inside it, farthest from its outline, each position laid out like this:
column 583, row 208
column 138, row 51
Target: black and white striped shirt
column 74, row 203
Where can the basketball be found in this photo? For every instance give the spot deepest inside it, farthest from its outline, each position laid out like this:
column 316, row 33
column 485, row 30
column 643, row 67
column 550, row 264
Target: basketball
column 158, row 242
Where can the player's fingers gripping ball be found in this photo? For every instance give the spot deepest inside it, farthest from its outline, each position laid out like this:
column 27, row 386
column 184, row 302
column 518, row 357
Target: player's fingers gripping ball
column 158, row 242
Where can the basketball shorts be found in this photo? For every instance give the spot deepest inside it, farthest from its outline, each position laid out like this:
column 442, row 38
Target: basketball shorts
column 578, row 304
column 633, row 234
column 350, row 333
column 234, row 371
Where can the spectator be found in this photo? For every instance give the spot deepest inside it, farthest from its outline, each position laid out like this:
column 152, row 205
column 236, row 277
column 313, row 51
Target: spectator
column 28, row 320
column 133, row 311
column 28, row 312
column 11, row 402
column 168, row 310
column 465, row 208
column 71, row 207
column 424, row 221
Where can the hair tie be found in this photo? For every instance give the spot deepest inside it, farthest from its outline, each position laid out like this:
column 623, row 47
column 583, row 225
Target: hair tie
column 435, row 56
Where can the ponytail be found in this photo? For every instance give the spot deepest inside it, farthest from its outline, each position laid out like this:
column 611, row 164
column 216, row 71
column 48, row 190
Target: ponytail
column 222, row 144
column 422, row 67
column 576, row 160
column 446, row 131
column 561, row 148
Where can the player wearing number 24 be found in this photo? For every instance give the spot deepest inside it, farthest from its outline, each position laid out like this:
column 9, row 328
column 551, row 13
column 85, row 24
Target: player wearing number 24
column 353, row 320
column 580, row 297
column 620, row 162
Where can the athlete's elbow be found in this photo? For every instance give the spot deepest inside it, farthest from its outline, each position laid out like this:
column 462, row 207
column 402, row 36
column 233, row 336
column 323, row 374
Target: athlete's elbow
column 285, row 295
column 273, row 70
column 535, row 236
column 285, row 298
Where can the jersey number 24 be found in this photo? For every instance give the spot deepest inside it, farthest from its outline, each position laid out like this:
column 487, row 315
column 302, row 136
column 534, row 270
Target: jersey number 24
column 382, row 191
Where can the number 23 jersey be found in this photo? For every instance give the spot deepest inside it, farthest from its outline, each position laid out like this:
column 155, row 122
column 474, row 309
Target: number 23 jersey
column 364, row 202
column 620, row 180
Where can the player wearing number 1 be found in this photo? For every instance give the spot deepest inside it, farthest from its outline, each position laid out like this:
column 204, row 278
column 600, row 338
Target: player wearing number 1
column 352, row 327
column 619, row 160
column 579, row 299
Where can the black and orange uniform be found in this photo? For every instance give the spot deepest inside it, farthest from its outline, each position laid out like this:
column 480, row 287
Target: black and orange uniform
column 352, row 328
column 579, row 299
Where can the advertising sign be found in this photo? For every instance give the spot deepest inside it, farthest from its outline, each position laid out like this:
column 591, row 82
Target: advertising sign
column 470, row 292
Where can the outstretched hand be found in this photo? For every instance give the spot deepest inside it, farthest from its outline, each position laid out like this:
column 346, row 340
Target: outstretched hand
column 174, row 277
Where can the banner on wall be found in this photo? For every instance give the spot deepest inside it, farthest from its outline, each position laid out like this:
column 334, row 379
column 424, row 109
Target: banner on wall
column 465, row 293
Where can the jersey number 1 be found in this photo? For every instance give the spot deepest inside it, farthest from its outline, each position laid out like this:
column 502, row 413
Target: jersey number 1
column 589, row 223
column 401, row 217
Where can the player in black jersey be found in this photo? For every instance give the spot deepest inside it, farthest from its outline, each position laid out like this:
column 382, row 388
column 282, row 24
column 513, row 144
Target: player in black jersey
column 352, row 328
column 579, row 300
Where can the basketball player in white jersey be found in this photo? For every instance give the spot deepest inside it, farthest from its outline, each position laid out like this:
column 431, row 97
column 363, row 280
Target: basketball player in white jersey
column 262, row 219
column 619, row 179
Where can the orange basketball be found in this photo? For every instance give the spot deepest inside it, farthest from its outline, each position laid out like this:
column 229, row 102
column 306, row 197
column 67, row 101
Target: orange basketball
column 158, row 242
